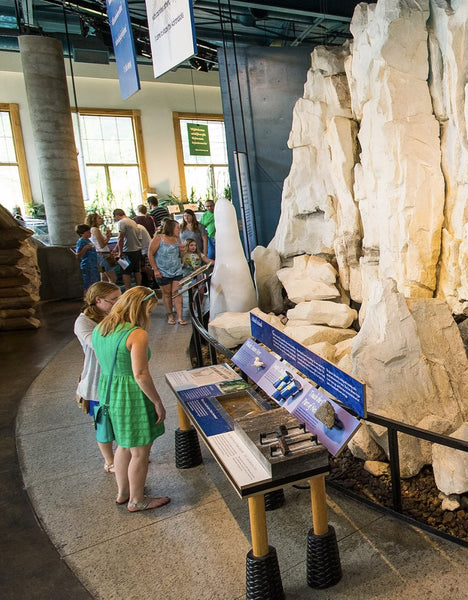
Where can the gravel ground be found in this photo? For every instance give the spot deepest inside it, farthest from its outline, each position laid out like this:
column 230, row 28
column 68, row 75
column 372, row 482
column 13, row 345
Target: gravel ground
column 420, row 496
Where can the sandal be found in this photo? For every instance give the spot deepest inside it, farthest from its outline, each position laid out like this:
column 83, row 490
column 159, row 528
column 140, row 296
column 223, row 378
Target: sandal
column 109, row 468
column 182, row 322
column 170, row 319
column 121, row 499
column 148, row 504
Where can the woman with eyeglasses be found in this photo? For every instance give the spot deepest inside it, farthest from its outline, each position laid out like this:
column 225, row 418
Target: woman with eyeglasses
column 99, row 299
column 135, row 407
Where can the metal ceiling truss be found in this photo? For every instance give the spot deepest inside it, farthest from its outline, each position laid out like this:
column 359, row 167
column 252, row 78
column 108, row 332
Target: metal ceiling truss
column 217, row 23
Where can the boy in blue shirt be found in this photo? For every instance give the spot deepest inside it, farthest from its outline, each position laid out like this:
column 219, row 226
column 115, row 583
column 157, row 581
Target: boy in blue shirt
column 86, row 253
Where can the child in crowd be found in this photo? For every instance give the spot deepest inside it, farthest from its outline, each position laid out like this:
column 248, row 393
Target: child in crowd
column 87, row 255
column 193, row 259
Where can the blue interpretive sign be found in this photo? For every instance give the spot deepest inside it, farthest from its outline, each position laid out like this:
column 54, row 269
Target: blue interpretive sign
column 341, row 385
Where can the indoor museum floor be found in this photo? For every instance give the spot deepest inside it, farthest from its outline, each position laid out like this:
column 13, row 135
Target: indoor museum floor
column 63, row 537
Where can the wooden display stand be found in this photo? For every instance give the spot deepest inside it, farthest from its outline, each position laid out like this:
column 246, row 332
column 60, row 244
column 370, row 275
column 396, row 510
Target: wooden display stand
column 263, row 578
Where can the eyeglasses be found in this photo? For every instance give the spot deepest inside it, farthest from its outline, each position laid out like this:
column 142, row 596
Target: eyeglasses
column 110, row 300
column 153, row 293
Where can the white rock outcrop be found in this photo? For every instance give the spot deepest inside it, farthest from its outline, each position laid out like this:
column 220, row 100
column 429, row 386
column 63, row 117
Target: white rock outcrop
column 269, row 289
column 313, row 334
column 232, row 288
column 310, row 278
column 409, row 365
column 451, row 466
column 231, row 329
column 316, row 312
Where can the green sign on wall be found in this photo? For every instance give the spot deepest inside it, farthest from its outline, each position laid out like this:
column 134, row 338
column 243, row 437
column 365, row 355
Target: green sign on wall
column 199, row 141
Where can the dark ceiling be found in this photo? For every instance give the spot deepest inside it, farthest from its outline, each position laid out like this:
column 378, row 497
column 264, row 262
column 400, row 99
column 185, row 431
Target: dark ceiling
column 83, row 26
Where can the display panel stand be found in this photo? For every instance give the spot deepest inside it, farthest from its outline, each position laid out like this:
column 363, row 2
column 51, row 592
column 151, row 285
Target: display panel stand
column 187, row 446
column 200, row 411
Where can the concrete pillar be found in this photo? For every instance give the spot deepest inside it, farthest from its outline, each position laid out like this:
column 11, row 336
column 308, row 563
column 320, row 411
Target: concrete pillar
column 49, row 108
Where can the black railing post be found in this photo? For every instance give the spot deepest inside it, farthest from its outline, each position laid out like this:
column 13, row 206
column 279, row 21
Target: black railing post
column 394, row 457
column 196, row 335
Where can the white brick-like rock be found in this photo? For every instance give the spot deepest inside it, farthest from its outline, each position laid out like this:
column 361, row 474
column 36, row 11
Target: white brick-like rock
column 317, row 312
column 310, row 278
column 451, row 466
column 230, row 328
column 312, row 334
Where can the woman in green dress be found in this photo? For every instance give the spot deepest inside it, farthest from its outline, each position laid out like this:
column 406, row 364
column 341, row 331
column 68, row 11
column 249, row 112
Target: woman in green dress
column 135, row 408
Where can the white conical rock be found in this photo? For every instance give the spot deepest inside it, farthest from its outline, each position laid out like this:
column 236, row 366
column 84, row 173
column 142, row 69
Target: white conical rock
column 232, row 288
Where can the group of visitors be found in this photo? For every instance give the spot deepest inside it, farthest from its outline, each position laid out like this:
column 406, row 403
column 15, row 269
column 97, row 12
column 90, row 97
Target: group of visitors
column 151, row 243
column 116, row 379
column 115, row 386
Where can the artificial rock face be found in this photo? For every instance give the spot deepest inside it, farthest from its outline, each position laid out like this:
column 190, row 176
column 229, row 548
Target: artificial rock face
column 414, row 372
column 378, row 186
column 366, row 186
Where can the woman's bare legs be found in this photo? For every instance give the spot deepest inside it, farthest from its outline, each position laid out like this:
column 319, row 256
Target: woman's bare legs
column 107, row 452
column 137, row 471
column 110, row 276
column 121, row 461
column 177, row 302
column 166, row 291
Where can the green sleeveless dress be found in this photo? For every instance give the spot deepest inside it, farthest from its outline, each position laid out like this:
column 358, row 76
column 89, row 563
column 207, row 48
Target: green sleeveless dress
column 132, row 414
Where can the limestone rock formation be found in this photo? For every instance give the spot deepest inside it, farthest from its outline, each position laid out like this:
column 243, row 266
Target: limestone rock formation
column 414, row 372
column 451, row 466
column 310, row 278
column 231, row 329
column 232, row 289
column 269, row 290
column 316, row 312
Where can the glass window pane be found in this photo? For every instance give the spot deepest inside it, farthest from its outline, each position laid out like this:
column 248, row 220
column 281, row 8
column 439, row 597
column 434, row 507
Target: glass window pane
column 125, row 128
column 97, row 187
column 126, row 187
column 221, row 181
column 198, row 179
column 218, row 152
column 7, row 146
column 127, row 151
column 109, row 129
column 11, row 187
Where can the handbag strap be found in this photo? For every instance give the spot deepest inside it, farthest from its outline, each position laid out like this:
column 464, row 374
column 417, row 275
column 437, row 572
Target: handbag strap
column 124, row 333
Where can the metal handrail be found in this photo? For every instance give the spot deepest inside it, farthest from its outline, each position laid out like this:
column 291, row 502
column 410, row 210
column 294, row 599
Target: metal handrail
column 393, row 427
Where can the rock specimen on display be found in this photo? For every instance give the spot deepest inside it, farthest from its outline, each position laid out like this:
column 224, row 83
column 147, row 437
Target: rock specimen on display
column 414, row 372
column 269, row 290
column 232, row 289
column 451, row 466
column 378, row 187
column 310, row 278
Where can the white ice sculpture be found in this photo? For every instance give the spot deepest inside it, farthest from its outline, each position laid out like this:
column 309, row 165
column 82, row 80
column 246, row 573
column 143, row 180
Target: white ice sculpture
column 232, row 288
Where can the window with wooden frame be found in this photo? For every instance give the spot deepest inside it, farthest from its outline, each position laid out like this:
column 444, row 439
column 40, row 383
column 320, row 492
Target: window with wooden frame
column 111, row 158
column 202, row 175
column 16, row 189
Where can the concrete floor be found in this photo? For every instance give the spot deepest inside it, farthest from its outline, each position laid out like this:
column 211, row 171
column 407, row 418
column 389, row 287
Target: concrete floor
column 62, row 536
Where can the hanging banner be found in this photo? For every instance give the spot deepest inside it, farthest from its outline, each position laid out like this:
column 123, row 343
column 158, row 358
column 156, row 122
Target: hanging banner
column 172, row 33
column 199, row 139
column 124, row 47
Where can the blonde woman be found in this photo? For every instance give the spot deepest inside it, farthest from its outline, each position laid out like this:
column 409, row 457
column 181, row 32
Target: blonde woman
column 135, row 408
column 99, row 300
column 100, row 242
